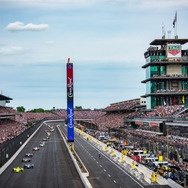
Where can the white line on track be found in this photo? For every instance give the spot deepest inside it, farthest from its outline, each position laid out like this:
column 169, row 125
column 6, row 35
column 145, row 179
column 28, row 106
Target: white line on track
column 109, row 175
column 105, row 170
column 100, row 165
column 114, row 181
column 115, row 164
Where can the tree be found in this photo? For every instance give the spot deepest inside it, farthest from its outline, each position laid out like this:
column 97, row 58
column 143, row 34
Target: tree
column 20, row 109
column 78, row 107
column 39, row 110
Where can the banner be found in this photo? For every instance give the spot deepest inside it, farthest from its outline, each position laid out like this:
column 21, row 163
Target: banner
column 70, row 105
column 174, row 50
column 153, row 124
column 138, row 122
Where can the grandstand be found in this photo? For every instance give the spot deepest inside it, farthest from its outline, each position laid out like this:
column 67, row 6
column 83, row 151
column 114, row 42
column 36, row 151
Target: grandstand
column 13, row 123
column 128, row 105
column 9, row 128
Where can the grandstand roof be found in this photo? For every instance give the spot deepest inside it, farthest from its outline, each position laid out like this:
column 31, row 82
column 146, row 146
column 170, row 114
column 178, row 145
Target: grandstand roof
column 164, row 41
column 127, row 101
column 4, row 98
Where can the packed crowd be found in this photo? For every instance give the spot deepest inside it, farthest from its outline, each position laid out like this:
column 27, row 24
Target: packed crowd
column 169, row 91
column 110, row 120
column 160, row 111
column 10, row 129
column 5, row 110
column 103, row 119
column 121, row 106
column 164, row 59
column 183, row 115
column 25, row 117
column 168, row 75
column 82, row 114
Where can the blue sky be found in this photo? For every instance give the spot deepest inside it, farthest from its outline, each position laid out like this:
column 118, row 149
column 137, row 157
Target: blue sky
column 105, row 40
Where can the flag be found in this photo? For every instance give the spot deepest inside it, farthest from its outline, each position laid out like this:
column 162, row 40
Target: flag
column 175, row 20
column 163, row 30
column 164, row 103
column 183, row 99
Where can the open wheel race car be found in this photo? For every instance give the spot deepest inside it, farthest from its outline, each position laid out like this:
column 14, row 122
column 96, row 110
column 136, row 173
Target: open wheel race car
column 26, row 159
column 28, row 165
column 18, row 170
column 29, row 155
column 36, row 149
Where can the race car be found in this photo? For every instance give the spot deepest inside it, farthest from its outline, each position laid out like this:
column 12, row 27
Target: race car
column 29, row 155
column 26, row 159
column 42, row 145
column 18, row 170
column 52, row 130
column 28, row 165
column 48, row 133
column 44, row 139
column 36, row 149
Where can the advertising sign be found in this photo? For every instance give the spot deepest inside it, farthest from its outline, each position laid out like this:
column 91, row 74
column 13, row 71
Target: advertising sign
column 174, row 50
column 153, row 124
column 138, row 122
column 70, row 106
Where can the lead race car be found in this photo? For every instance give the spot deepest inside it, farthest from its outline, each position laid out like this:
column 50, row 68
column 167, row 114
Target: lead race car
column 18, row 170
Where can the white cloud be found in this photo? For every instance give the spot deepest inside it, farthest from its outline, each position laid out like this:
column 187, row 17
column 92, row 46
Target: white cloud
column 19, row 26
column 11, row 50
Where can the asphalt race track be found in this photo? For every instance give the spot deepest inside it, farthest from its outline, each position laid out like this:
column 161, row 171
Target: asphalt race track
column 53, row 167
column 104, row 172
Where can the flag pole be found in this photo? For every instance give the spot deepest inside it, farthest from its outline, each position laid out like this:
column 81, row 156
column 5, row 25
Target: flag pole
column 176, row 24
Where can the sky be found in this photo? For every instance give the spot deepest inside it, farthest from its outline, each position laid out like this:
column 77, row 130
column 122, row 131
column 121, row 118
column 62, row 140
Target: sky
column 104, row 39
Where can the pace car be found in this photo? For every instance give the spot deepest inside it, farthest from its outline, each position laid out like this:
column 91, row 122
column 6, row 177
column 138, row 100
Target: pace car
column 18, row 170
column 36, row 149
column 28, row 165
column 29, row 155
column 26, row 159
